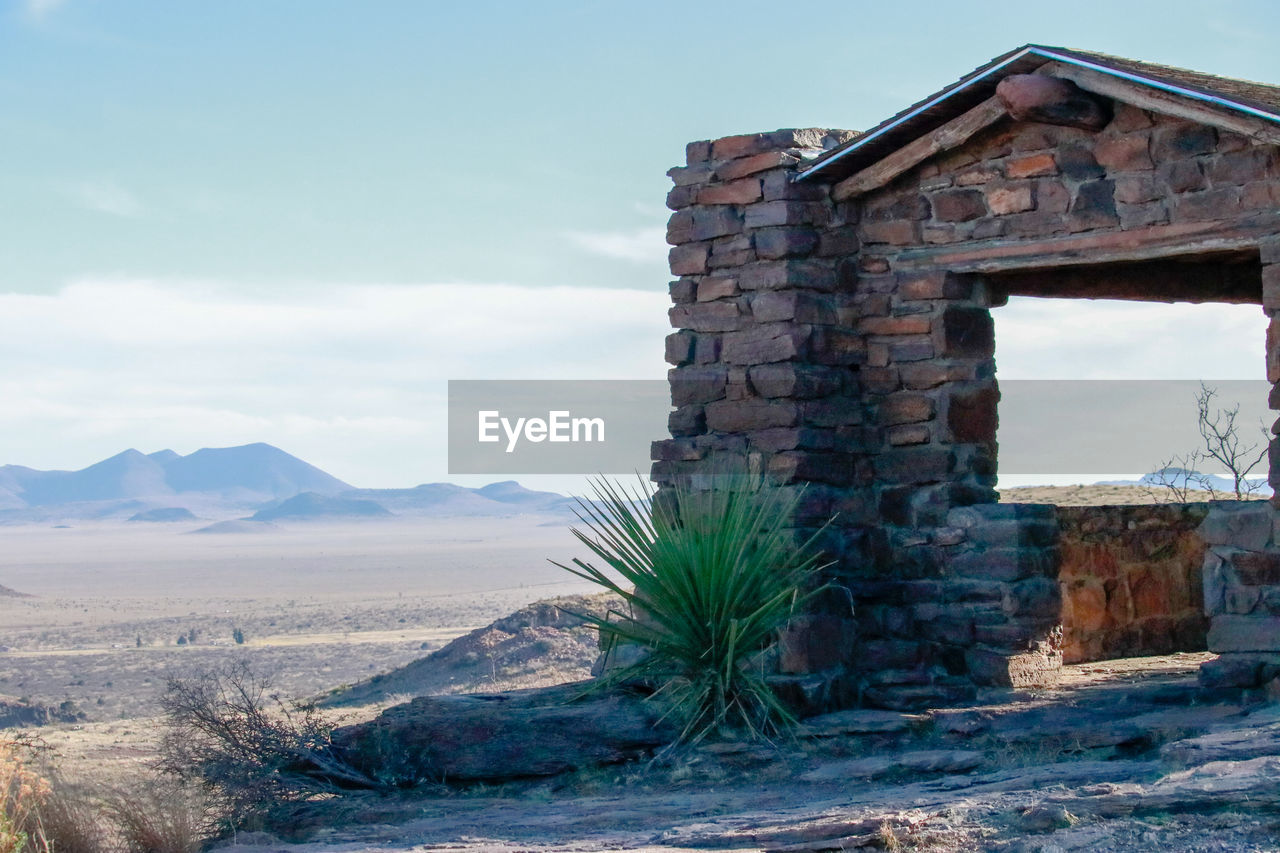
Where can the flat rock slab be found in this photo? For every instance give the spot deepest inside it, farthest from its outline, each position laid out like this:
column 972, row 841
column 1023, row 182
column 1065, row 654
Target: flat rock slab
column 502, row 736
column 877, row 766
column 860, row 722
column 1229, row 745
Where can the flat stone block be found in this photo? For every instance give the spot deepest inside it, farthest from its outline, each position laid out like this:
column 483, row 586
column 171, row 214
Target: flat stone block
column 1232, row 633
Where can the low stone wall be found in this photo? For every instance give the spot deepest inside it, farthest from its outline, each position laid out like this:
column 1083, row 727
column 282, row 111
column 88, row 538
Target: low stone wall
column 1130, row 578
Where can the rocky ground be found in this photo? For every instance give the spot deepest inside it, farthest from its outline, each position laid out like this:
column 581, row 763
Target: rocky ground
column 1124, row 755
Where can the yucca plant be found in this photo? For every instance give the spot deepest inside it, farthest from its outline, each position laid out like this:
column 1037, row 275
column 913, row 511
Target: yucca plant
column 709, row 577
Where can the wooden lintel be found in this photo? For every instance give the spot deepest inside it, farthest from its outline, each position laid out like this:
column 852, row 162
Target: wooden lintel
column 1139, row 244
column 1151, row 281
column 948, row 136
column 1166, row 103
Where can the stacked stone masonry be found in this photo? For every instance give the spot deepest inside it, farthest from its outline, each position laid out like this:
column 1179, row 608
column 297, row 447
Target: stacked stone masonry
column 1131, row 580
column 845, row 346
column 1242, row 594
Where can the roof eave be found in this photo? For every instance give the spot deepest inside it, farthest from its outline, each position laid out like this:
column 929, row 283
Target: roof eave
column 1000, row 64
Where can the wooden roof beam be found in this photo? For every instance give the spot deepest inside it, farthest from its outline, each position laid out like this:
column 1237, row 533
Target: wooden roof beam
column 950, row 135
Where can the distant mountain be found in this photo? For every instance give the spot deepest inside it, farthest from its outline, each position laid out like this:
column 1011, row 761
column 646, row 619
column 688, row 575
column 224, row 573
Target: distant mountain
column 1193, row 480
column 446, row 499
column 164, row 514
column 222, row 483
column 310, row 505
column 212, row 480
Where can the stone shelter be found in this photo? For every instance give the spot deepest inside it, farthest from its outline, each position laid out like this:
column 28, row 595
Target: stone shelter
column 832, row 312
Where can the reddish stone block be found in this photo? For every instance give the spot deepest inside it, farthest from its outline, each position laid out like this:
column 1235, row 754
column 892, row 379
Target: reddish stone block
column 972, row 415
column 835, row 346
column 1137, row 189
column 735, row 169
column 914, row 465
column 744, row 191
column 986, row 228
column 697, row 152
column 692, row 385
column 747, row 415
column 689, row 259
column 920, row 377
column 959, row 205
column 706, row 316
column 908, row 434
column 939, row 234
column 1128, row 153
column 897, row 233
column 679, row 348
column 1182, row 176
column 905, row 407
column 1094, row 206
column 763, row 345
column 1032, row 166
column 1178, row 140
column 687, row 420
column 977, row 176
column 1126, row 118
column 934, row 285
column 1271, row 287
column 1078, row 163
column 967, row 332
column 770, row 213
column 916, row 350
column 879, row 380
column 681, row 197
column 716, row 287
column 682, row 290
column 712, row 222
column 912, row 324
column 683, row 176
column 1142, row 215
column 794, row 380
column 1207, row 205
column 1257, row 568
column 1240, row 167
column 1010, row 199
column 1052, row 196
column 912, row 205
column 775, row 243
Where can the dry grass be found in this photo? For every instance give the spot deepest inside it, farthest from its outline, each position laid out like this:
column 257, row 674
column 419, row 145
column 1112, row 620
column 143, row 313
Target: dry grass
column 41, row 812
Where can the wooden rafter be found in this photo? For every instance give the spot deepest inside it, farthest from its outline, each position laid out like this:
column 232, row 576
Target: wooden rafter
column 950, row 135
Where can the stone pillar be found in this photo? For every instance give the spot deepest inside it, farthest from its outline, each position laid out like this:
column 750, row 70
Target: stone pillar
column 1242, row 594
column 765, row 357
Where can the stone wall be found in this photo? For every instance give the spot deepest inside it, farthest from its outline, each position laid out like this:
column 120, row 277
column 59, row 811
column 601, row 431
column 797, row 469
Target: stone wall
column 1131, row 580
column 1242, row 594
column 845, row 344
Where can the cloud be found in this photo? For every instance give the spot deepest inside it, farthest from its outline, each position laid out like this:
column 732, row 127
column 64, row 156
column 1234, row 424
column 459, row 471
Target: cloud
column 106, row 196
column 40, row 8
column 351, row 378
column 1106, row 339
column 638, row 245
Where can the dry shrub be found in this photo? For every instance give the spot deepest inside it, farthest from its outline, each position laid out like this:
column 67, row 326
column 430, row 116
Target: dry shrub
column 40, row 812
column 254, row 753
column 162, row 817
column 22, row 792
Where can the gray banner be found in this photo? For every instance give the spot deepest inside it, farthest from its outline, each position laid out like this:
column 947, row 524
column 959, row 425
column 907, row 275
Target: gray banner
column 1051, row 428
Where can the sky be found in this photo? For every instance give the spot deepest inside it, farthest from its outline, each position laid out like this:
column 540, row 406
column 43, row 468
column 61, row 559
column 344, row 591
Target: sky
column 294, row 221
